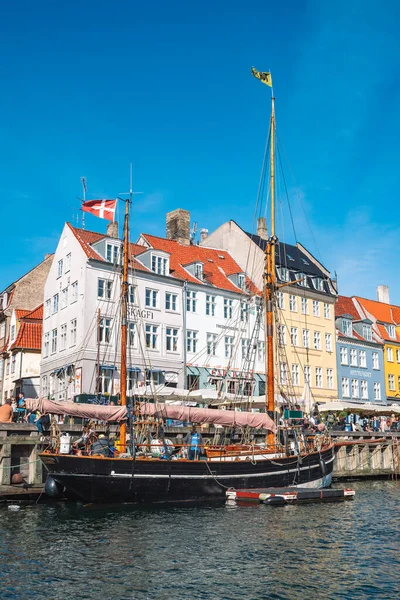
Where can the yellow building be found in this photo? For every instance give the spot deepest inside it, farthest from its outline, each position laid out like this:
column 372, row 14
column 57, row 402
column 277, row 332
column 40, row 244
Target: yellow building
column 386, row 323
column 306, row 333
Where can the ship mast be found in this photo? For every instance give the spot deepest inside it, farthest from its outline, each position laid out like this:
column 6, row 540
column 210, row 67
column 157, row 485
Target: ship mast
column 124, row 314
column 270, row 276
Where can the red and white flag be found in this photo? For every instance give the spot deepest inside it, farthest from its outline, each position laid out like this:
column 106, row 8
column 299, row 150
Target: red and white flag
column 105, row 209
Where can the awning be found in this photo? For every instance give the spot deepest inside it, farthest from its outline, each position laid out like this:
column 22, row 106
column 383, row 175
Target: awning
column 109, row 367
column 155, row 370
column 193, row 371
column 133, row 370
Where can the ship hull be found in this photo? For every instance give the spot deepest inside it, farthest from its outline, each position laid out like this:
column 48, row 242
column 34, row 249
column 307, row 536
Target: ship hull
column 104, row 480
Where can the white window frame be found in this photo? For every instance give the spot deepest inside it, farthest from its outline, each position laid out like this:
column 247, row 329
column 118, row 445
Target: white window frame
column 151, row 298
column 364, row 389
column 55, row 303
column 295, row 374
column 74, row 292
column 191, row 301
column 152, row 335
column 60, row 268
column 63, row 336
column 344, row 355
column 316, row 308
column 363, row 359
column 353, row 357
column 389, row 354
column 306, row 338
column 345, row 387
column 294, row 336
column 104, row 288
column 375, row 361
column 281, row 335
column 391, row 383
column 328, row 342
column 228, row 308
column 280, row 298
column 104, row 330
column 72, row 332
column 171, row 339
column 329, row 379
column 292, row 303
column 191, row 340
column 317, row 340
column 210, row 305
column 171, row 302
column 355, row 388
column 377, row 390
column 318, row 377
column 228, row 341
column 54, row 340
column 304, row 306
column 212, row 344
column 327, row 310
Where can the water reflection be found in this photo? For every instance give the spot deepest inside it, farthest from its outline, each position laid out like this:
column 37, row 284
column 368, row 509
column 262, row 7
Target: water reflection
column 334, row 551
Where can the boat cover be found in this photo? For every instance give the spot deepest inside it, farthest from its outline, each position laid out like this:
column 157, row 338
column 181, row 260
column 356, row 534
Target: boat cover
column 226, row 418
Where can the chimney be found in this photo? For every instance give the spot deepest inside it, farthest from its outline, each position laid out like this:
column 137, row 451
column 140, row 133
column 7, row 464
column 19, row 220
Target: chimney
column 203, row 234
column 178, row 226
column 112, row 230
column 382, row 292
column 262, row 228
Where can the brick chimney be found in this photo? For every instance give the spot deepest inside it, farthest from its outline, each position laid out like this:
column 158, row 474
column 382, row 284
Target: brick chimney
column 178, row 226
column 382, row 292
column 262, row 228
column 112, row 230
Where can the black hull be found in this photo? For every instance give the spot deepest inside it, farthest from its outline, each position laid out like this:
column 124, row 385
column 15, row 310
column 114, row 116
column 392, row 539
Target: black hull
column 123, row 480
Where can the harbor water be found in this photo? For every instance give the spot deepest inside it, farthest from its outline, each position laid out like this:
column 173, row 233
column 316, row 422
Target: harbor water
column 348, row 550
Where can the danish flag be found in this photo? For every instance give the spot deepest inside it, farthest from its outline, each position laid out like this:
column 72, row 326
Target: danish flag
column 105, row 209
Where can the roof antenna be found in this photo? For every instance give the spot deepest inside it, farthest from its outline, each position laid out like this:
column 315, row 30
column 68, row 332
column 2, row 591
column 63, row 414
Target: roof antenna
column 83, row 181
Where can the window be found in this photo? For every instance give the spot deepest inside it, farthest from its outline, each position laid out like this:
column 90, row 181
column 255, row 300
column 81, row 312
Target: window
column 13, row 363
column 306, row 338
column 241, row 281
column 347, row 327
column 327, row 311
column 7, row 367
column 198, row 271
column 345, row 387
column 283, row 373
column 55, row 303
column 377, row 391
column 307, row 374
column 295, row 375
column 245, row 348
column 74, row 292
column 210, row 305
column 171, row 301
column 105, row 330
column 106, row 380
column 54, row 341
column 317, row 340
column 12, row 333
column 293, row 303
column 315, row 308
column 68, row 262
column 228, row 304
column 191, row 301
column 391, row 331
column 45, row 389
column 398, row 356
column 284, row 274
column 304, row 306
column 112, row 253
column 3, row 326
column 294, row 336
column 353, row 357
column 211, row 344
column 391, row 383
column 131, row 334
column 363, row 359
column 159, row 264
column 131, row 294
column 59, row 268
column 72, row 332
column 64, row 298
column 63, row 336
column 329, row 379
column 104, row 289
column 191, row 341
column 302, row 279
column 228, row 346
column 367, row 332
column 151, row 298
column 281, row 335
column 375, row 360
column 389, row 354
column 328, row 342
column 344, row 356
column 46, row 345
column 156, row 377
column 151, row 336
column 319, row 284
column 1, row 368
column 47, row 310
column 355, row 391
column 244, row 311
column 171, row 339
column 281, row 300
column 260, row 351
column 364, row 389
column 318, row 377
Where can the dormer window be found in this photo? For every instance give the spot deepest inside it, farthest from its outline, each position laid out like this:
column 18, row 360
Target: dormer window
column 391, row 331
column 241, row 280
column 284, row 274
column 318, row 284
column 367, row 332
column 112, row 253
column 159, row 264
column 198, row 271
column 289, row 257
column 302, row 279
column 304, row 261
column 347, row 327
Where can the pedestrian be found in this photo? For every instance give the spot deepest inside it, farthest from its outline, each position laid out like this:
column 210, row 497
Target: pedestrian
column 6, row 412
column 21, row 407
column 195, row 442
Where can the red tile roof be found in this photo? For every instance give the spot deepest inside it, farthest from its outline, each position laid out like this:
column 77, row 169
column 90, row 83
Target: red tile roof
column 345, row 306
column 217, row 264
column 35, row 314
column 29, row 337
column 4, row 348
column 19, row 313
column 382, row 313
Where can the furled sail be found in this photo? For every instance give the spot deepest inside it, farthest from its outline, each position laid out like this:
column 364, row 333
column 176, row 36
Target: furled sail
column 226, row 418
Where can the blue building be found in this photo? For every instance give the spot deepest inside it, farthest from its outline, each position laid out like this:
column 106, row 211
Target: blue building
column 360, row 361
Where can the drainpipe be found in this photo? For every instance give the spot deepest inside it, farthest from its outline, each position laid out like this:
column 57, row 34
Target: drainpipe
column 184, row 290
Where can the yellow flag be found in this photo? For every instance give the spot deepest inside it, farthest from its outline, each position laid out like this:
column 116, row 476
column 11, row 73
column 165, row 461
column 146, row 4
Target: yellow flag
column 263, row 76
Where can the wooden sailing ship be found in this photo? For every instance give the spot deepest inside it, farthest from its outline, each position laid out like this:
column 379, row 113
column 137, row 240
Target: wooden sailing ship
column 288, row 457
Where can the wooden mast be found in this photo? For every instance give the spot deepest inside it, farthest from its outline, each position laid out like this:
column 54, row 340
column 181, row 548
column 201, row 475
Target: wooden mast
column 270, row 286
column 124, row 317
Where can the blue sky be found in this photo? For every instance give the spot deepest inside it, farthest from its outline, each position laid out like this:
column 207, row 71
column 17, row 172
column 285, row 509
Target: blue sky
column 88, row 87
